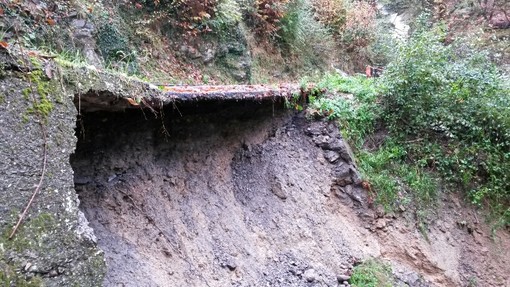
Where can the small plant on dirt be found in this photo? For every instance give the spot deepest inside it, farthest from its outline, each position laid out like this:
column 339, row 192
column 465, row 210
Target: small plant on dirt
column 372, row 273
column 472, row 282
column 378, row 168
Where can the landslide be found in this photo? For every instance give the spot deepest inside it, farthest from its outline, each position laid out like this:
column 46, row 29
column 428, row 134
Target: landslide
column 236, row 195
column 250, row 194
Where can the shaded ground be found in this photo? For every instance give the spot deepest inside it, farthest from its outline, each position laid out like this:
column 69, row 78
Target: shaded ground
column 245, row 194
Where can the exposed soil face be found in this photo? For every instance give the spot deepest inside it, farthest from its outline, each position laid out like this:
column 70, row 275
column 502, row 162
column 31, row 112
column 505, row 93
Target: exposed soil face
column 248, row 194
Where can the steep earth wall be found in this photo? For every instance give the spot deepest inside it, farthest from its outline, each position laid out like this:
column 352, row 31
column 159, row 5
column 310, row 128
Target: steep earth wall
column 236, row 196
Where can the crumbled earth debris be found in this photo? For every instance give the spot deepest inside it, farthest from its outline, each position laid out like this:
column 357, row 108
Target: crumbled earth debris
column 242, row 194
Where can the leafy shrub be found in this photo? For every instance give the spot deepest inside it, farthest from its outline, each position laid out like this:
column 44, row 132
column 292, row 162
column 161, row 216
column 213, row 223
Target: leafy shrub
column 372, row 273
column 360, row 25
column 265, row 16
column 459, row 106
column 227, row 15
column 331, row 13
column 115, row 49
column 111, row 42
column 303, row 36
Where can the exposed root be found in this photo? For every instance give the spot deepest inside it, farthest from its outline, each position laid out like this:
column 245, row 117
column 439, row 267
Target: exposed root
column 38, row 187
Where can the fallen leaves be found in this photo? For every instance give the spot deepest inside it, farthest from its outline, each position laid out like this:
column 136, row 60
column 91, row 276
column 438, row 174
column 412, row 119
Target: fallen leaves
column 51, row 22
column 4, row 44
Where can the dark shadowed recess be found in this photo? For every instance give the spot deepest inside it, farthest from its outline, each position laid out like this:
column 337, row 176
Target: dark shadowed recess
column 99, row 129
column 125, row 159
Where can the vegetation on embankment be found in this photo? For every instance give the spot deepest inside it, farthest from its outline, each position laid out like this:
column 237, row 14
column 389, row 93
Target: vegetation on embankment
column 197, row 42
column 435, row 116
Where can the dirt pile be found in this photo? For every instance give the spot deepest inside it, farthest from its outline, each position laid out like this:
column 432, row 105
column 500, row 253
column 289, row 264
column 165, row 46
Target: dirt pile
column 248, row 194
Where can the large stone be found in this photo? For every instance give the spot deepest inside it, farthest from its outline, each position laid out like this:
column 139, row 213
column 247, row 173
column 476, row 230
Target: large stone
column 311, row 275
column 342, row 278
column 331, row 156
column 499, row 20
column 83, row 35
column 278, row 189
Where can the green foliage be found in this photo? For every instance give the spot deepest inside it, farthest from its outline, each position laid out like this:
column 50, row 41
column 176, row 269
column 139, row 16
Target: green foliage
column 378, row 169
column 115, row 49
column 296, row 102
column 111, row 42
column 69, row 58
column 396, row 182
column 357, row 114
column 458, row 108
column 372, row 273
column 10, row 278
column 381, row 50
column 303, row 36
column 227, row 15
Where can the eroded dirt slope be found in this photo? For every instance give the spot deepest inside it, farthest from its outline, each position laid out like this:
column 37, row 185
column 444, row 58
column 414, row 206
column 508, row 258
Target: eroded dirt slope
column 246, row 194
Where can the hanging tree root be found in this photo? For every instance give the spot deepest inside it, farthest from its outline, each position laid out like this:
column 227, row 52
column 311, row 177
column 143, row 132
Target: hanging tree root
column 38, row 186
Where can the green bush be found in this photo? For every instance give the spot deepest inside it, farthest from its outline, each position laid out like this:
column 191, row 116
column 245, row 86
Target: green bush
column 302, row 36
column 457, row 108
column 227, row 15
column 396, row 182
column 372, row 273
column 111, row 43
column 357, row 114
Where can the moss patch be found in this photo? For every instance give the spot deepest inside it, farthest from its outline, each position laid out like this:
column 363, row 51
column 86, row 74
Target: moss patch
column 41, row 105
column 10, row 278
column 30, row 235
